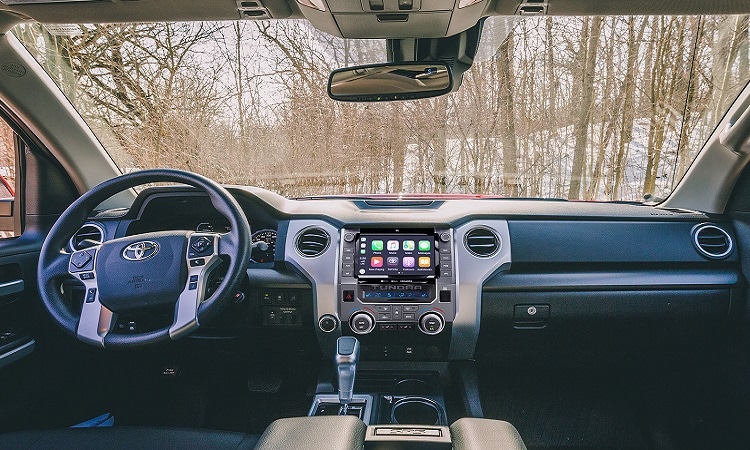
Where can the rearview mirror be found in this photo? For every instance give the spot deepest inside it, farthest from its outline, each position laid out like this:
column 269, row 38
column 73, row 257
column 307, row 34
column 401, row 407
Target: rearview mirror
column 390, row 81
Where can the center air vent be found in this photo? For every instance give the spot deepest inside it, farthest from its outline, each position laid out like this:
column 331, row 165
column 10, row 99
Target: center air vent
column 482, row 242
column 88, row 235
column 312, row 242
column 712, row 241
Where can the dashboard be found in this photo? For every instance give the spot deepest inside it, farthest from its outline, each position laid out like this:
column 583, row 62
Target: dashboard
column 446, row 279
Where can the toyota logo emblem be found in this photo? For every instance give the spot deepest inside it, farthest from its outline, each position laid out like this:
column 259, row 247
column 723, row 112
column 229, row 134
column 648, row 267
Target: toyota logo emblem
column 140, row 250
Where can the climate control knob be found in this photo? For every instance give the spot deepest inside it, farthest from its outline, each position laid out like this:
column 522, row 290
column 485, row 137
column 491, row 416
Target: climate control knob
column 431, row 323
column 362, row 322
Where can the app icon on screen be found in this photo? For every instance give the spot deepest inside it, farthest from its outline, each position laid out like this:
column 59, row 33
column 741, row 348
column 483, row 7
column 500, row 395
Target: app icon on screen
column 408, row 261
column 424, row 261
column 377, row 245
column 424, row 246
column 376, row 261
column 392, row 245
column 392, row 261
column 408, row 245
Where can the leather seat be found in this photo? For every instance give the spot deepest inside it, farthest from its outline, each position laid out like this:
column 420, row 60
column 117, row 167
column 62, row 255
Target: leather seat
column 127, row 438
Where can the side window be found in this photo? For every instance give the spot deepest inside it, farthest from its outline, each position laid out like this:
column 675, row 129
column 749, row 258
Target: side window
column 8, row 208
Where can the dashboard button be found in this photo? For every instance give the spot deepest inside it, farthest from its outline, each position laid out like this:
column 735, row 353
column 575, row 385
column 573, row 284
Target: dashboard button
column 445, row 296
column 444, row 249
column 387, row 326
column 446, row 273
column 362, row 323
column 409, row 316
column 348, row 296
column 347, row 258
column 347, row 266
column 347, row 273
column 446, row 258
column 328, row 323
column 410, row 308
column 431, row 323
column 383, row 308
column 384, row 316
column 406, row 326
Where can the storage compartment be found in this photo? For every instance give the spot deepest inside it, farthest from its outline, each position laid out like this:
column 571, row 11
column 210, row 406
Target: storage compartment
column 603, row 323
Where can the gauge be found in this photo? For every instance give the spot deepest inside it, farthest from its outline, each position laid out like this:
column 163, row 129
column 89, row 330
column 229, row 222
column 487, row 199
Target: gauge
column 264, row 245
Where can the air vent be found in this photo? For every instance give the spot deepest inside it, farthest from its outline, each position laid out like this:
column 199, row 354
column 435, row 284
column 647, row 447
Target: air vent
column 482, row 242
column 88, row 235
column 312, row 242
column 712, row 241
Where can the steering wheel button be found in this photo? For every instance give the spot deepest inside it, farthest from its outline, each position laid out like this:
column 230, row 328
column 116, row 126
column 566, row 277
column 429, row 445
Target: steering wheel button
column 197, row 262
column 91, row 295
column 87, row 276
column 193, row 286
column 201, row 244
column 193, row 278
column 80, row 259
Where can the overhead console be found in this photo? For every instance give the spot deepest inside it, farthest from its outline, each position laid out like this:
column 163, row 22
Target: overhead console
column 393, row 18
column 397, row 280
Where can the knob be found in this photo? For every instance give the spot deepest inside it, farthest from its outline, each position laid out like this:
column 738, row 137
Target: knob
column 445, row 236
column 431, row 323
column 328, row 323
column 362, row 322
column 349, row 237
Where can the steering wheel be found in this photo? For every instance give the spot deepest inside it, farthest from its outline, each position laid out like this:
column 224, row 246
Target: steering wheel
column 134, row 273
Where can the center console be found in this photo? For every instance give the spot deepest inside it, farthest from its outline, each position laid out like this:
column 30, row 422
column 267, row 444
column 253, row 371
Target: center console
column 397, row 282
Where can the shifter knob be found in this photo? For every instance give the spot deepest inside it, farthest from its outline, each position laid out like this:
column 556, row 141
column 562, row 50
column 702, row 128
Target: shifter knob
column 347, row 354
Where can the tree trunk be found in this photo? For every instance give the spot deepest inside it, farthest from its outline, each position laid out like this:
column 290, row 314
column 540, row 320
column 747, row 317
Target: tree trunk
column 581, row 127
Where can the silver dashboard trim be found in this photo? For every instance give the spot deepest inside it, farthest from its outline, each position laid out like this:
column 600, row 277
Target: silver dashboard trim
column 323, row 273
column 471, row 272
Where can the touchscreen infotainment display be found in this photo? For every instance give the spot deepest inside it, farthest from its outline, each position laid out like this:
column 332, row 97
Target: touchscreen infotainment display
column 396, row 255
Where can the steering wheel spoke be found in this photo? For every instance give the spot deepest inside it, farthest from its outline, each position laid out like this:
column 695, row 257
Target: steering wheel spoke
column 227, row 244
column 202, row 258
column 96, row 320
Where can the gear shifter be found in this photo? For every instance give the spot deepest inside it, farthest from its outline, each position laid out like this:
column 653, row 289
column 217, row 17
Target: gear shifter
column 347, row 354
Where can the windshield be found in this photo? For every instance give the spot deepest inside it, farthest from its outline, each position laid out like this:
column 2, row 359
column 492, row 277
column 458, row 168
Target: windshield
column 591, row 108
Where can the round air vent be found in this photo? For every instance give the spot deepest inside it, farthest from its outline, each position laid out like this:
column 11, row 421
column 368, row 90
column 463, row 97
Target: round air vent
column 712, row 241
column 312, row 242
column 89, row 235
column 482, row 242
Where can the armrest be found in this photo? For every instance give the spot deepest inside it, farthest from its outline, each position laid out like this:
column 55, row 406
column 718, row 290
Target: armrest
column 485, row 434
column 328, row 432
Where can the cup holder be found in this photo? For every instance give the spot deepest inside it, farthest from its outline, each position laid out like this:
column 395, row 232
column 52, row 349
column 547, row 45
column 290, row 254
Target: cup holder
column 410, row 386
column 417, row 411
